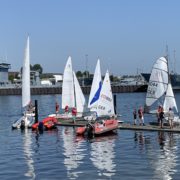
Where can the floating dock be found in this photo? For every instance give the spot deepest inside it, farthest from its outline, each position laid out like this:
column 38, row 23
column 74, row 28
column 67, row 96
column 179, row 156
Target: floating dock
column 148, row 127
column 122, row 126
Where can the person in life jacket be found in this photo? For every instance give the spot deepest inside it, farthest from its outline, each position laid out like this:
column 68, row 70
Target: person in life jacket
column 74, row 111
column 66, row 109
column 57, row 108
column 141, row 116
column 161, row 117
column 158, row 113
column 135, row 116
column 171, row 117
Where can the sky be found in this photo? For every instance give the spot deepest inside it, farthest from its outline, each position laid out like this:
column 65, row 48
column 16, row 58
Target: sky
column 126, row 35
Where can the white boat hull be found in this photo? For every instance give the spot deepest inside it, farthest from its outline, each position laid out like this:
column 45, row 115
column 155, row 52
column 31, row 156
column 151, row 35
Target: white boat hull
column 29, row 120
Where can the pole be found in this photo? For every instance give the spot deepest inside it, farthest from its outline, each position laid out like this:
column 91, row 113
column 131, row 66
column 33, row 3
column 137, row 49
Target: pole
column 36, row 111
column 114, row 103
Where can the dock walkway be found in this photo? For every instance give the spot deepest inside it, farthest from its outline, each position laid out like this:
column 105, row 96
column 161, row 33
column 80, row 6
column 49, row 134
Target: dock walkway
column 148, row 127
column 123, row 126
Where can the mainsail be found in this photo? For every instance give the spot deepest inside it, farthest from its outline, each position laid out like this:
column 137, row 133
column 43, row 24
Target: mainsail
column 95, row 88
column 72, row 95
column 158, row 82
column 68, row 86
column 26, row 77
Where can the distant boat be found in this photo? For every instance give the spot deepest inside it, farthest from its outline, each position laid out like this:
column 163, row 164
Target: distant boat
column 28, row 115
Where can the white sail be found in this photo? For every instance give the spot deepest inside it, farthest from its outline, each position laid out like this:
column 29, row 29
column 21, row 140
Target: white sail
column 26, row 77
column 79, row 96
column 68, row 86
column 158, row 81
column 169, row 101
column 95, row 88
column 105, row 102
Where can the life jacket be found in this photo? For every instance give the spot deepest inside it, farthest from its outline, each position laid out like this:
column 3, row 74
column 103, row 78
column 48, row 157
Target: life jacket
column 66, row 108
column 74, row 111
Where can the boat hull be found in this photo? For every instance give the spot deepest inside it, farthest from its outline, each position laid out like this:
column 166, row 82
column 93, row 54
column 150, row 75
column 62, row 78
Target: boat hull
column 48, row 123
column 98, row 128
column 25, row 121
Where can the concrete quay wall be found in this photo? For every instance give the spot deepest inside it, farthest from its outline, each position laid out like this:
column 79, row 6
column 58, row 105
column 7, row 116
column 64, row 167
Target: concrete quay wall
column 58, row 90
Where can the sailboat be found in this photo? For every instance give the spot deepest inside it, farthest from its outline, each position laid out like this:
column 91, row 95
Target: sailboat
column 159, row 90
column 72, row 95
column 105, row 112
column 28, row 115
column 157, row 86
column 94, row 93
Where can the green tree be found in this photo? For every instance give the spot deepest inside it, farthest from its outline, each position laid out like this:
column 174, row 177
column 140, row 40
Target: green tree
column 86, row 73
column 37, row 67
column 79, row 74
column 11, row 78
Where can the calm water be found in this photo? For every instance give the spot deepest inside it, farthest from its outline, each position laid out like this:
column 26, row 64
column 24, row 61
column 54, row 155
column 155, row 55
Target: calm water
column 61, row 155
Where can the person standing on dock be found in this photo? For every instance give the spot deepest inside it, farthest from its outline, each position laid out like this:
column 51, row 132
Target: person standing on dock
column 158, row 113
column 74, row 113
column 135, row 116
column 57, row 108
column 141, row 116
column 171, row 117
column 161, row 117
column 66, row 109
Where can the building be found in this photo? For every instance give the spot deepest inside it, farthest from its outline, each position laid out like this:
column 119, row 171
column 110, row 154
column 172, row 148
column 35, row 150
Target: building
column 4, row 67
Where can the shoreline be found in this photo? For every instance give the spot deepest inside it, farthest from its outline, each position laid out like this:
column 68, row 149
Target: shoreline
column 41, row 90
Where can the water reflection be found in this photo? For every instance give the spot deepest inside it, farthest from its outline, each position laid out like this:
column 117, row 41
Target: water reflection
column 103, row 155
column 73, row 151
column 165, row 162
column 140, row 140
column 27, row 146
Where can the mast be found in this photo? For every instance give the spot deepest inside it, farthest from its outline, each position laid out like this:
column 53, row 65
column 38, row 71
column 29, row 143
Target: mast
column 174, row 61
column 167, row 58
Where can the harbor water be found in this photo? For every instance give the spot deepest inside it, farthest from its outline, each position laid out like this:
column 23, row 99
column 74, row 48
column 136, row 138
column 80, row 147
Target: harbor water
column 59, row 154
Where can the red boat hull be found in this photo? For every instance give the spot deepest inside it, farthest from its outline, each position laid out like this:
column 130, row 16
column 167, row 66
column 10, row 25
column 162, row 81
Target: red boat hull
column 80, row 130
column 99, row 128
column 49, row 123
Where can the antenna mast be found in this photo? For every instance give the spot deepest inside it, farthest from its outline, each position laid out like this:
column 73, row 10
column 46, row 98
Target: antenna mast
column 174, row 61
column 86, row 65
